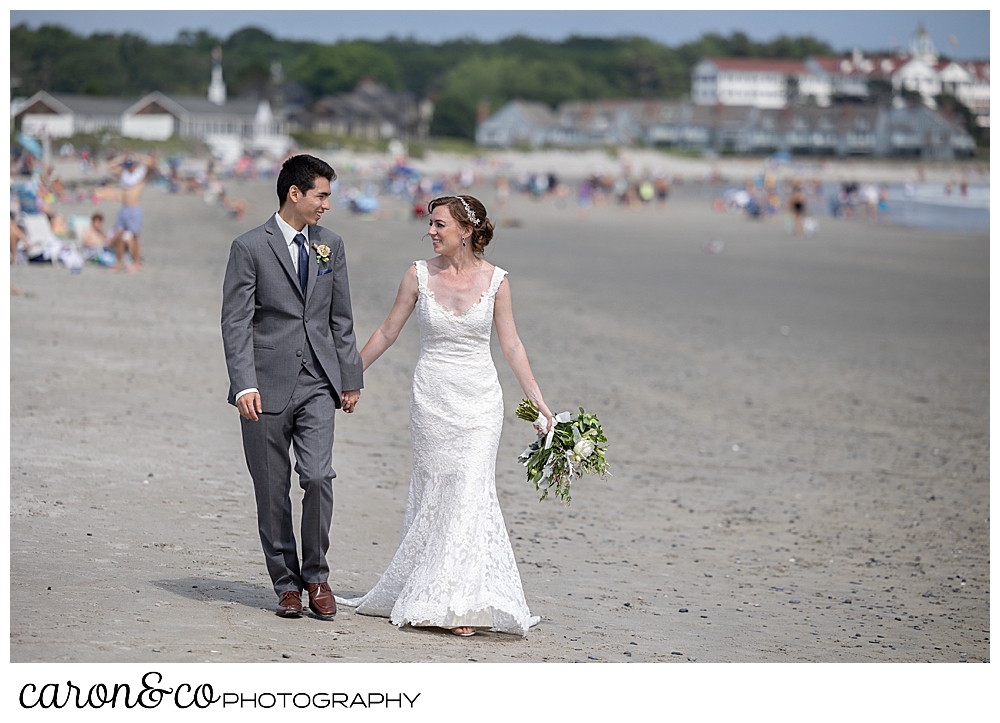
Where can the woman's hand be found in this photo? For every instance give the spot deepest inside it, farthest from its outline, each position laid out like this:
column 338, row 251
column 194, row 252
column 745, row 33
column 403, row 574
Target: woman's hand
column 547, row 415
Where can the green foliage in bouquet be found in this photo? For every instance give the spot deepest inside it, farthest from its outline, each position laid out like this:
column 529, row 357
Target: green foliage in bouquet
column 573, row 447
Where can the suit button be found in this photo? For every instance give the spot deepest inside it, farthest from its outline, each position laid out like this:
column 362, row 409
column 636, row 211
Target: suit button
column 307, row 319
column 298, row 353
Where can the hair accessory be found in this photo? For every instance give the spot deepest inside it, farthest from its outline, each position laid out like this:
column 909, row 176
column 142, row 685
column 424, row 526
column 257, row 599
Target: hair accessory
column 468, row 211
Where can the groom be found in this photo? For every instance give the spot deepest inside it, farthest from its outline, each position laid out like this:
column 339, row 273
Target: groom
column 288, row 333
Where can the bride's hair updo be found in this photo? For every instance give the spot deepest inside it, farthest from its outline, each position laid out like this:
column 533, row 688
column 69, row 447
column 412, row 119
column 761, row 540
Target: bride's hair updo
column 468, row 211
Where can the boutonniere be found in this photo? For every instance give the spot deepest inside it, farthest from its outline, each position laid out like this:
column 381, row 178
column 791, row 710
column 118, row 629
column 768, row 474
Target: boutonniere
column 322, row 253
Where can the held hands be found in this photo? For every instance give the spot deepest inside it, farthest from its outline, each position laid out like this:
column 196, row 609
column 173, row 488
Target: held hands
column 349, row 399
column 249, row 406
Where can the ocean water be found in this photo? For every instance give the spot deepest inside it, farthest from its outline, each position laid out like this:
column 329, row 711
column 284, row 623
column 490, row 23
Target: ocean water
column 928, row 205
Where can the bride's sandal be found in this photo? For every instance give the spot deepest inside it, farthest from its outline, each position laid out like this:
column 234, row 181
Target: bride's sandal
column 465, row 632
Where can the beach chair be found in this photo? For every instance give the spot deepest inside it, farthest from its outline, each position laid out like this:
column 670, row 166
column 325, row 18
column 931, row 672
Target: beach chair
column 42, row 243
column 78, row 224
column 45, row 246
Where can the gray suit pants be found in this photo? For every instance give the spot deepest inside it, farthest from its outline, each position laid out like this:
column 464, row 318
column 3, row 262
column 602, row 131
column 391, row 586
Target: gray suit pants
column 307, row 425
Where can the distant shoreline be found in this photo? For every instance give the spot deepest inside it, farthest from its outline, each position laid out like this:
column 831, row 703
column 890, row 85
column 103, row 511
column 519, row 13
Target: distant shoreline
column 577, row 164
column 574, row 165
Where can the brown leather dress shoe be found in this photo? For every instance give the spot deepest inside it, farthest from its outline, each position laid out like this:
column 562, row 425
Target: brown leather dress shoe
column 321, row 599
column 289, row 605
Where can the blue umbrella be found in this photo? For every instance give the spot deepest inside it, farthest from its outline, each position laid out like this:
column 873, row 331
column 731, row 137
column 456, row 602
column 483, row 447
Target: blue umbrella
column 31, row 145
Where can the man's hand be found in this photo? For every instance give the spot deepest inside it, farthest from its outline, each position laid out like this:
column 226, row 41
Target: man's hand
column 349, row 399
column 249, row 406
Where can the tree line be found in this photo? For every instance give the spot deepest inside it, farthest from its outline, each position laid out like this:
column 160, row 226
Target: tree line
column 458, row 75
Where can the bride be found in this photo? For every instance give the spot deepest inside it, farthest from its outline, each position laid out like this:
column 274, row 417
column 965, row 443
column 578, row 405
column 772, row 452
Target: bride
column 455, row 567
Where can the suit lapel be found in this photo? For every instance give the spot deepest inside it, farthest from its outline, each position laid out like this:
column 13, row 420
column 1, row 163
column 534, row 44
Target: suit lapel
column 277, row 242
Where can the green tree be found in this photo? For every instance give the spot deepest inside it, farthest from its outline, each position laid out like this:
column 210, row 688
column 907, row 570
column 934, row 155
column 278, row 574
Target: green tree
column 955, row 109
column 500, row 79
column 457, row 74
column 327, row 69
column 454, row 117
column 423, row 67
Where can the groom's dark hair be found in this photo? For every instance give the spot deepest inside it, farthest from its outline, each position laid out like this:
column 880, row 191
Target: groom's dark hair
column 302, row 171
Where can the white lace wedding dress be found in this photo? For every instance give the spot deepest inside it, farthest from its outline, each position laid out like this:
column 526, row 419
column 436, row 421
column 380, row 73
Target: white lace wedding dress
column 455, row 566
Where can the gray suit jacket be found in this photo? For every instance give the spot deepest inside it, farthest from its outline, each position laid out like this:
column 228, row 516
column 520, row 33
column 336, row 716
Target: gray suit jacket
column 265, row 321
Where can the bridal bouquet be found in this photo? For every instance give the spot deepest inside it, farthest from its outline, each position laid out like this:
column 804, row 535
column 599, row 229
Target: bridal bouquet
column 573, row 446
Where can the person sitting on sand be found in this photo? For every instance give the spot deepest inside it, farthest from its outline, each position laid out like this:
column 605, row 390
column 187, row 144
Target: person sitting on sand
column 94, row 241
column 59, row 226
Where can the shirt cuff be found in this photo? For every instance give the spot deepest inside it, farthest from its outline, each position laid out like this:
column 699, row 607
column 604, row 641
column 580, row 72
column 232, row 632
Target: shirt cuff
column 245, row 391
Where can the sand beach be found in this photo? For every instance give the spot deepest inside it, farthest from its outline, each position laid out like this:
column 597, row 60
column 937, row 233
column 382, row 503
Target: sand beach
column 799, row 441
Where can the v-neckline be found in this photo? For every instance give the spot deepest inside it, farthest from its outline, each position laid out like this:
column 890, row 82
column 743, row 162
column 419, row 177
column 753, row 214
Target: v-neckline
column 482, row 296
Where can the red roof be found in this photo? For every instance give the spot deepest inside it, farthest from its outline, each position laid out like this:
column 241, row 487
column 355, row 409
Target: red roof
column 759, row 65
column 979, row 68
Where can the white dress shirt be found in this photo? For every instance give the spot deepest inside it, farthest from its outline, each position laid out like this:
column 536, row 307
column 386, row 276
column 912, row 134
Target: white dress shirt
column 293, row 250
column 289, row 233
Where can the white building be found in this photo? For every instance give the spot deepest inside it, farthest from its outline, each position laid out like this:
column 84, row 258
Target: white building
column 153, row 117
column 61, row 115
column 756, row 82
column 519, row 123
column 846, row 77
column 217, row 87
column 767, row 83
column 969, row 81
column 920, row 76
column 229, row 126
column 843, row 131
column 923, row 71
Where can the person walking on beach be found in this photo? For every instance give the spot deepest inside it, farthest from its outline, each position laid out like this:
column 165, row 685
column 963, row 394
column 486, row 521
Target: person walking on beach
column 288, row 333
column 455, row 567
column 133, row 172
column 882, row 215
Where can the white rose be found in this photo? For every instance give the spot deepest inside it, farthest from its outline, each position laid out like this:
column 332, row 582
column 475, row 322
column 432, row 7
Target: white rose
column 584, row 448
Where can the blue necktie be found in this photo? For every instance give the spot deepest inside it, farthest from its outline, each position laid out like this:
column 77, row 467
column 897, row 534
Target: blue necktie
column 303, row 261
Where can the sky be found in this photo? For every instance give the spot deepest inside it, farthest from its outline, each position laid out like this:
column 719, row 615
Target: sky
column 956, row 33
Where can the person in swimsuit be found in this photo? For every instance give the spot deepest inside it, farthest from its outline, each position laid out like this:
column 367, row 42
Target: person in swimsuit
column 883, row 204
column 797, row 205
column 133, row 173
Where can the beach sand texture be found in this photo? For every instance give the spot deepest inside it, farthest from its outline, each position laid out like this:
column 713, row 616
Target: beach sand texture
column 799, row 443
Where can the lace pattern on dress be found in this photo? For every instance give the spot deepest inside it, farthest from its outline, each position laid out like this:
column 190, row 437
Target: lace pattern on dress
column 455, row 565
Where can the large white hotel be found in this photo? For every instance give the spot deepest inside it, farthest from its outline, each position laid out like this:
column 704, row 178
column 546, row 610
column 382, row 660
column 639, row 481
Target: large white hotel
column 772, row 83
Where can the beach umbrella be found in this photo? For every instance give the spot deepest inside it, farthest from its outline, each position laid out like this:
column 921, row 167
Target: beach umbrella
column 31, row 145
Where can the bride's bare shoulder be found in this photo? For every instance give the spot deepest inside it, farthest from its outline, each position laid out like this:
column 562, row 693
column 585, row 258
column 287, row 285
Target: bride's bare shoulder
column 410, row 277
